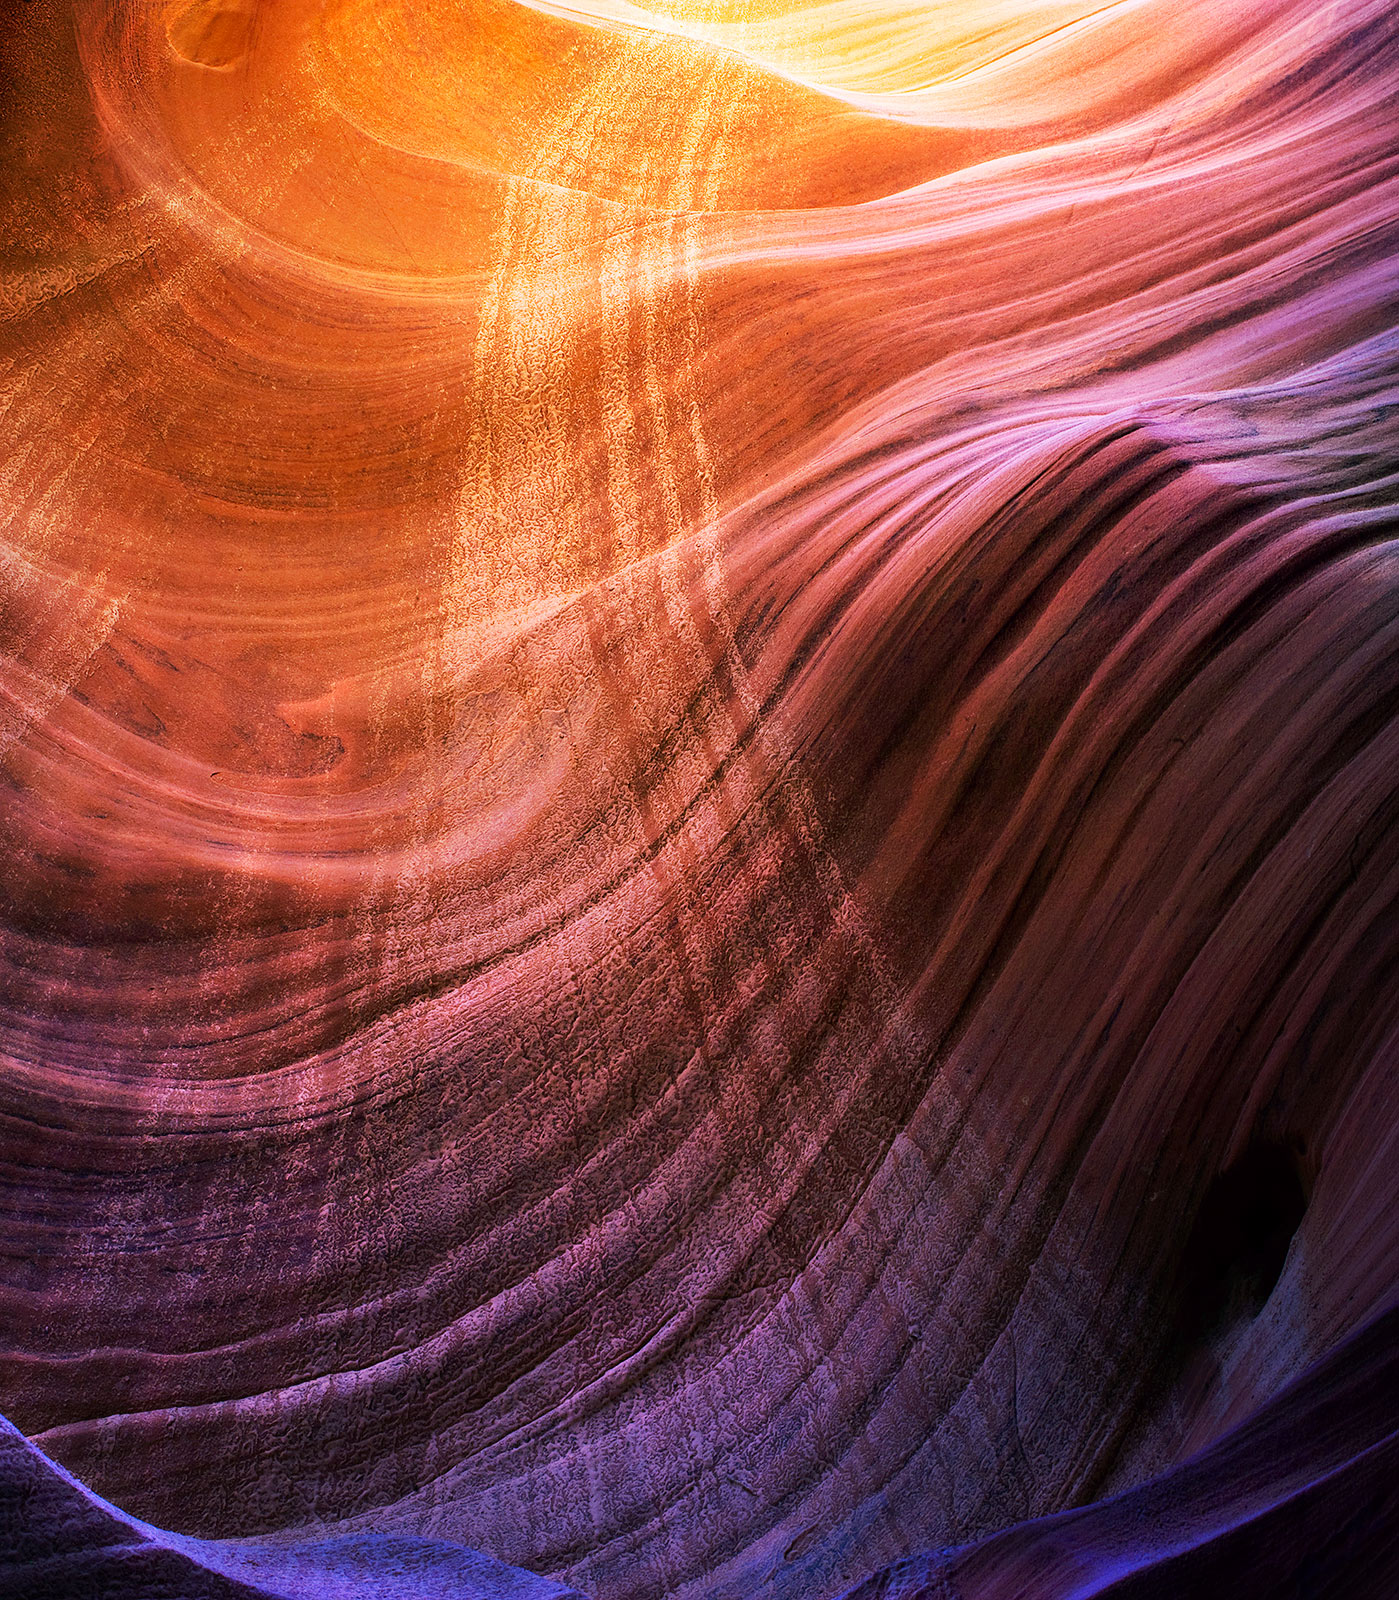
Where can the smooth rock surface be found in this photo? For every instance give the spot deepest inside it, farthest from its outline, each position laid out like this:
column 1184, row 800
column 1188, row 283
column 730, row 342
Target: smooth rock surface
column 699, row 777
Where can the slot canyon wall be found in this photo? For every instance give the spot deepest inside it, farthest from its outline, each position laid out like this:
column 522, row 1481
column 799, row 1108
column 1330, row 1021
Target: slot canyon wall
column 699, row 785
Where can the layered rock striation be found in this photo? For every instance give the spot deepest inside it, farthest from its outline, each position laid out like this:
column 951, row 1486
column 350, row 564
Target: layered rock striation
column 699, row 753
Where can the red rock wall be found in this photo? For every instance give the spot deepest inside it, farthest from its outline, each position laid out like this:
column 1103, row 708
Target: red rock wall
column 699, row 761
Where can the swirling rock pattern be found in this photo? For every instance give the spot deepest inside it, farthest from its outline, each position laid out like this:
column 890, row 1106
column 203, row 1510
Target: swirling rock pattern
column 699, row 746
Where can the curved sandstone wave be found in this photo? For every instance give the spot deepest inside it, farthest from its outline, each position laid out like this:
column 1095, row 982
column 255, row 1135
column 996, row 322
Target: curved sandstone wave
column 699, row 746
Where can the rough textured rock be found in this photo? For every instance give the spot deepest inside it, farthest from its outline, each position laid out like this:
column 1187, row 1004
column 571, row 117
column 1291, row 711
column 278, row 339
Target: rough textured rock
column 58, row 1541
column 699, row 751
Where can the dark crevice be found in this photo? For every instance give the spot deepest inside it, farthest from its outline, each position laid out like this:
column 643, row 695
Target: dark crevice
column 1237, row 1248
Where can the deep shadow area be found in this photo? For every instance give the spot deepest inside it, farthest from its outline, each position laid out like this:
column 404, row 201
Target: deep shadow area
column 1237, row 1248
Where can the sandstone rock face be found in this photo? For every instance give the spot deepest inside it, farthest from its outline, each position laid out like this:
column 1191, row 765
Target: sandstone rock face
column 699, row 755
